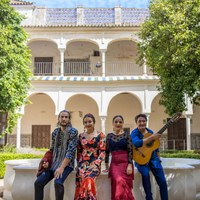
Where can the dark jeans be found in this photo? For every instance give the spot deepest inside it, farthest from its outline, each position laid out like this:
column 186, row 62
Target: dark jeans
column 158, row 173
column 47, row 176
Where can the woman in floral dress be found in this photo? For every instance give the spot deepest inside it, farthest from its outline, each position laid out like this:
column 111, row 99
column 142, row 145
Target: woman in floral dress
column 90, row 154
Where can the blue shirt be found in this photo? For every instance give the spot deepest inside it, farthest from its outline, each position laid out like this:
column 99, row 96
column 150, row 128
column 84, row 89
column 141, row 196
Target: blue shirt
column 137, row 140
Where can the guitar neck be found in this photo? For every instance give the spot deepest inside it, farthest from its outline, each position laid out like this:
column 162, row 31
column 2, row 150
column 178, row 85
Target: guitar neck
column 165, row 126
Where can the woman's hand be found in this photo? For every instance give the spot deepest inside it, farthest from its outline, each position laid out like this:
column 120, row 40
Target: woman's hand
column 106, row 168
column 93, row 166
column 129, row 169
column 58, row 172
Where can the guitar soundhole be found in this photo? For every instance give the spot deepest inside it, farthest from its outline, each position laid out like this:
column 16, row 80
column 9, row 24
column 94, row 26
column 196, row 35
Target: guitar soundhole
column 150, row 144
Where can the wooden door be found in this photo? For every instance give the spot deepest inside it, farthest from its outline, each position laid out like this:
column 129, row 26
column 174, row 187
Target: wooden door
column 41, row 136
column 177, row 135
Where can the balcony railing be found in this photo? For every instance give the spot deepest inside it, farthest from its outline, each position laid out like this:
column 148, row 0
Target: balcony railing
column 43, row 68
column 77, row 68
column 70, row 69
column 123, row 68
column 86, row 69
column 81, row 69
column 175, row 144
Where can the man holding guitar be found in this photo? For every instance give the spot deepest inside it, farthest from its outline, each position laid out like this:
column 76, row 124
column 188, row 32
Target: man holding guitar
column 143, row 140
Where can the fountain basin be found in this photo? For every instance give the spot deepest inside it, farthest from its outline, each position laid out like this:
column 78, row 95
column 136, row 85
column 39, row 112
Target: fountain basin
column 181, row 175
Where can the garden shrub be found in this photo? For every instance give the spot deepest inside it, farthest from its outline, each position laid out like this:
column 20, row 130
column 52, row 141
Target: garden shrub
column 13, row 156
column 180, row 154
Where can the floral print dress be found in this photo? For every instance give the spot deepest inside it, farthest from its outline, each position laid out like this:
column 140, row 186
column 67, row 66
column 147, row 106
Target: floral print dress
column 90, row 154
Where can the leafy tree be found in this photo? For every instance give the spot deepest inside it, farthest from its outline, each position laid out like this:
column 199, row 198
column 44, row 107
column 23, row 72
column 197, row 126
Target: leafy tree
column 170, row 43
column 14, row 63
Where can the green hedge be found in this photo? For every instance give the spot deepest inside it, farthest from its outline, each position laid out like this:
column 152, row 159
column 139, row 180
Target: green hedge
column 11, row 156
column 195, row 154
column 181, row 155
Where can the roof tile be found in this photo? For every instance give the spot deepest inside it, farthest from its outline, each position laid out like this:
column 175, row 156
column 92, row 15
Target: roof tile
column 20, row 2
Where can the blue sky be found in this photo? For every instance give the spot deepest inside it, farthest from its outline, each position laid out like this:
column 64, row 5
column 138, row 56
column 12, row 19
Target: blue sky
column 91, row 3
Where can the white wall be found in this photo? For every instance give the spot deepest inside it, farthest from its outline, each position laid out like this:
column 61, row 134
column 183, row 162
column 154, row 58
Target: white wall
column 40, row 112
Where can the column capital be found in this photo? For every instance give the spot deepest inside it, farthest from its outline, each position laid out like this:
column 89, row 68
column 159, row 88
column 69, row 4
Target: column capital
column 103, row 50
column 147, row 114
column 21, row 110
column 103, row 117
column 61, row 49
column 189, row 105
column 135, row 38
column 188, row 116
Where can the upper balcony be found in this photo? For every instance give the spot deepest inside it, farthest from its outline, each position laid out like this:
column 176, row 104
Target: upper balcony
column 83, row 41
column 78, row 68
column 83, row 58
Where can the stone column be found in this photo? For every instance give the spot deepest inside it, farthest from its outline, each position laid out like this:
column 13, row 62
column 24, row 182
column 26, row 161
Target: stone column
column 18, row 139
column 103, row 124
column 146, row 104
column 59, row 105
column 147, row 114
column 188, row 131
column 103, row 61
column 62, row 51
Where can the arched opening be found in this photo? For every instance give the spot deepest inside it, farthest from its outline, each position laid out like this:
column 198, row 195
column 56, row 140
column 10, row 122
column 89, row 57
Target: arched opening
column 81, row 57
column 121, row 58
column 38, row 122
column 79, row 105
column 124, row 104
column 45, row 58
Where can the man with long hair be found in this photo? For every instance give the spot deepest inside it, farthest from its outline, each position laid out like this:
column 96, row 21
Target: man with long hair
column 58, row 162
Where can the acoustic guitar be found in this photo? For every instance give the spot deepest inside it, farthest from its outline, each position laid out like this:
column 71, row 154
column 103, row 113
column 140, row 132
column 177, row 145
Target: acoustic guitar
column 143, row 154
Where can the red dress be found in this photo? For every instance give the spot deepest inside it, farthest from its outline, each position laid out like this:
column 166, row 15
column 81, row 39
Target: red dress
column 90, row 154
column 120, row 146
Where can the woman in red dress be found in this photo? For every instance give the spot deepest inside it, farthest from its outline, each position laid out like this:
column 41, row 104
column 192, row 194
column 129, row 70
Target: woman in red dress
column 119, row 144
column 90, row 154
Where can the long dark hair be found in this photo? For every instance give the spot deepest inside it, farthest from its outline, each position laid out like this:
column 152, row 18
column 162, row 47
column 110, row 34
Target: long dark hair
column 116, row 116
column 90, row 116
column 69, row 124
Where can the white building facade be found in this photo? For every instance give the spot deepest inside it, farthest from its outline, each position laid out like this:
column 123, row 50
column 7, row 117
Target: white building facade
column 85, row 60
